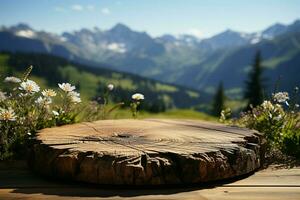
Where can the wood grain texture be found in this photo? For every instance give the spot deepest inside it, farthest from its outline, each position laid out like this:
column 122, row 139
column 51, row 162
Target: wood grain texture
column 147, row 152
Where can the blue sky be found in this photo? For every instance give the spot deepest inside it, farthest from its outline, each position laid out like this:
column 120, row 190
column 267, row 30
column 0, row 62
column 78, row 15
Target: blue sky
column 199, row 17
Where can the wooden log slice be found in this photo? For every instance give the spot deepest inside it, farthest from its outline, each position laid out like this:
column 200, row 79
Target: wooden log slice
column 147, row 152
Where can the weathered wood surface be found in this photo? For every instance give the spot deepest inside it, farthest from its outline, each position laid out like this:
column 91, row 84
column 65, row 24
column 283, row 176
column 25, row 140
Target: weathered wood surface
column 147, row 152
column 263, row 185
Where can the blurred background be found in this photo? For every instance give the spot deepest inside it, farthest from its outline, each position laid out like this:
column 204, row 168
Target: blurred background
column 184, row 56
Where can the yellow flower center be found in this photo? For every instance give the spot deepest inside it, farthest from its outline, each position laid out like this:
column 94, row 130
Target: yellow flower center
column 7, row 116
column 29, row 88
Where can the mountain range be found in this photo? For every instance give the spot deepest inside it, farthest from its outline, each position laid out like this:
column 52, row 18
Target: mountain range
column 184, row 60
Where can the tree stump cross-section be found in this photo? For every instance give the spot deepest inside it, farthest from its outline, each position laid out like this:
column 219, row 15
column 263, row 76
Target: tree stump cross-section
column 147, row 152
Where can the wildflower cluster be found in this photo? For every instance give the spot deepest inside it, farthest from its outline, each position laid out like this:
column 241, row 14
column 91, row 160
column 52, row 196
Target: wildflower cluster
column 25, row 108
column 279, row 120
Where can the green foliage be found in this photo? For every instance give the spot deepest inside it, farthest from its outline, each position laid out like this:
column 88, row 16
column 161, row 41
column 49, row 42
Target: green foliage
column 291, row 142
column 254, row 87
column 225, row 116
column 24, row 109
column 278, row 119
column 134, row 109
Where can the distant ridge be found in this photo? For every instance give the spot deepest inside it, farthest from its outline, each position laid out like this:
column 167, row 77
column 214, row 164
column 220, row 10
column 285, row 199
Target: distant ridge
column 184, row 59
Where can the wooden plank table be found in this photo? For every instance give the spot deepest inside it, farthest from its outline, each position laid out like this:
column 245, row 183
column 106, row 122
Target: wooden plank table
column 22, row 184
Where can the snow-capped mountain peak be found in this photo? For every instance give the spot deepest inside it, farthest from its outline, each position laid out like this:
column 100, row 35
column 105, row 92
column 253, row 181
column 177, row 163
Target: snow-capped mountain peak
column 26, row 33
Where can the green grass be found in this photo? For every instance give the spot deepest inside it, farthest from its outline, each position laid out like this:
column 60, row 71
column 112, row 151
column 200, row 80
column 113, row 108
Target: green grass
column 272, row 63
column 170, row 114
column 235, row 105
column 236, row 92
column 192, row 94
column 165, row 88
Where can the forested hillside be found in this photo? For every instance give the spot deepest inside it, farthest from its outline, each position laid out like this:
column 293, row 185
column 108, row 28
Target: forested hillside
column 50, row 70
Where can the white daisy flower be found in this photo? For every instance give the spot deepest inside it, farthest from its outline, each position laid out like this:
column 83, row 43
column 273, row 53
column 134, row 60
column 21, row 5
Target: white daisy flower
column 110, row 87
column 12, row 79
column 73, row 94
column 137, row 96
column 29, row 86
column 281, row 97
column 43, row 101
column 75, row 99
column 67, row 87
column 7, row 114
column 49, row 93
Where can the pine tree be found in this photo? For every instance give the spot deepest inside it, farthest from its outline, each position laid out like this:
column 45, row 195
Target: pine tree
column 219, row 101
column 254, row 87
